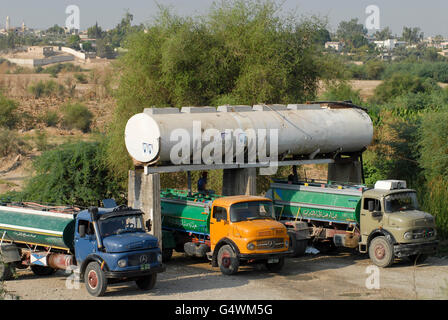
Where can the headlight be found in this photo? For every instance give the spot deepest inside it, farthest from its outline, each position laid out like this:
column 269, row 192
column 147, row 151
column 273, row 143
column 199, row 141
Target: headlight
column 408, row 235
column 251, row 246
column 122, row 263
column 159, row 258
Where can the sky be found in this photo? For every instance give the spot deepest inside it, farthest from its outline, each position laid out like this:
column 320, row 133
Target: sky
column 429, row 15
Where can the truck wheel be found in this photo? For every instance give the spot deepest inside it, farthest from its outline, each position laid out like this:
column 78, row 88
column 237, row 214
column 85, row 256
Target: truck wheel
column 276, row 267
column 42, row 270
column 147, row 283
column 7, row 271
column 167, row 254
column 227, row 260
column 96, row 281
column 381, row 252
column 298, row 247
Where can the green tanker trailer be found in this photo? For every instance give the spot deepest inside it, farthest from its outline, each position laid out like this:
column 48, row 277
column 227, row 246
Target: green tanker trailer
column 384, row 221
column 103, row 245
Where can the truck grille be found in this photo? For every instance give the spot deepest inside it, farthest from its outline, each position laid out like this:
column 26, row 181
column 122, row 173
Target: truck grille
column 142, row 258
column 270, row 232
column 267, row 244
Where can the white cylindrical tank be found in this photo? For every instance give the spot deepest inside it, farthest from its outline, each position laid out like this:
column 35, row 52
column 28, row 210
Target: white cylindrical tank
column 308, row 129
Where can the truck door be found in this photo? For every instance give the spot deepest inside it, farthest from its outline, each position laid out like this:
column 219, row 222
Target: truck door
column 87, row 244
column 219, row 225
column 370, row 220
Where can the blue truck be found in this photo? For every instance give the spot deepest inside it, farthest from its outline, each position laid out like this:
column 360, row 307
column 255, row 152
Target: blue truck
column 102, row 245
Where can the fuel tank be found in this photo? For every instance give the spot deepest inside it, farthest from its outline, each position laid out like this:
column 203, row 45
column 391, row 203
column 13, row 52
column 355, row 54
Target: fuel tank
column 299, row 129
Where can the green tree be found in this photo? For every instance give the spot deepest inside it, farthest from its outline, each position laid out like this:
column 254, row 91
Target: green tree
column 352, row 33
column 240, row 52
column 383, row 34
column 74, row 41
column 95, row 32
column 412, row 35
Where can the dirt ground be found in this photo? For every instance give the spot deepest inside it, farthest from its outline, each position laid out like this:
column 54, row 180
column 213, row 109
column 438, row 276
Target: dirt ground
column 339, row 276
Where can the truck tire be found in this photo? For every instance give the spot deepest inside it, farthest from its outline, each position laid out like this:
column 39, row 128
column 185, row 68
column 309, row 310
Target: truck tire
column 147, row 283
column 96, row 281
column 227, row 260
column 276, row 267
column 7, row 271
column 298, row 247
column 381, row 252
column 167, row 254
column 42, row 270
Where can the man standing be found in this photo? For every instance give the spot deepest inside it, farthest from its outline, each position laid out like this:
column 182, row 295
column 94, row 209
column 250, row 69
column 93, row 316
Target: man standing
column 202, row 183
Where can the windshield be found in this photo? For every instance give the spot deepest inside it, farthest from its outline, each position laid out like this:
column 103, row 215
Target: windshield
column 401, row 201
column 251, row 210
column 121, row 224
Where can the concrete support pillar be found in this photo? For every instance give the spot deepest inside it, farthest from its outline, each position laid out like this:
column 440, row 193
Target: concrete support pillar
column 144, row 194
column 346, row 171
column 239, row 182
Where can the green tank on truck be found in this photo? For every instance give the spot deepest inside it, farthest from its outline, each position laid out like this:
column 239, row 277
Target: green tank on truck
column 384, row 222
column 102, row 245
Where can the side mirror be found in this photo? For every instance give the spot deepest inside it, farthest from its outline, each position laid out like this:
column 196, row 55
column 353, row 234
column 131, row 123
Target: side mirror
column 82, row 230
column 371, row 205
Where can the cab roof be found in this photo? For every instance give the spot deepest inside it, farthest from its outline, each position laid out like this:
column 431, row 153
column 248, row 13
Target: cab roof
column 229, row 200
column 379, row 193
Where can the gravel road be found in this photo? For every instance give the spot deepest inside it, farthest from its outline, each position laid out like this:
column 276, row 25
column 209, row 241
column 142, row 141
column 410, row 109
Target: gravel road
column 340, row 276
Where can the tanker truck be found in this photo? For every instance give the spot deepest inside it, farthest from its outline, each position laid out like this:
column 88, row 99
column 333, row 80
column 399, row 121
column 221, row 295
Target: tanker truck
column 228, row 230
column 102, row 245
column 384, row 221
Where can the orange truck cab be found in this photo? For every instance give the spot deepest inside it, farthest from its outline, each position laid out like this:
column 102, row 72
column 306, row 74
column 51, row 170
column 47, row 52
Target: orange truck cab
column 243, row 229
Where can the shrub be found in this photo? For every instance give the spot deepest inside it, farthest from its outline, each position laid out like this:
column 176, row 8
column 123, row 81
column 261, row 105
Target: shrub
column 340, row 91
column 50, row 118
column 76, row 116
column 81, row 78
column 73, row 174
column 45, row 88
column 8, row 112
column 11, row 143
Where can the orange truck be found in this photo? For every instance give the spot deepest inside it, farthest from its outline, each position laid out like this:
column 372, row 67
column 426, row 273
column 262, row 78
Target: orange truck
column 230, row 231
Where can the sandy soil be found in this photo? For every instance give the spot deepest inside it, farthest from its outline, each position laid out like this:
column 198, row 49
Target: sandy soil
column 340, row 276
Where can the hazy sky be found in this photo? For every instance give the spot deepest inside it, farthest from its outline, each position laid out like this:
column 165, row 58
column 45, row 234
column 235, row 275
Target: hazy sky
column 430, row 15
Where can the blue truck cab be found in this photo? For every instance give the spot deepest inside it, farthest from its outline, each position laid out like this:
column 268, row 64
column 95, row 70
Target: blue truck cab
column 111, row 245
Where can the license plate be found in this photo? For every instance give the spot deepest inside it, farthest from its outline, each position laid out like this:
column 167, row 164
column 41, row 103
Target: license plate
column 145, row 267
column 273, row 260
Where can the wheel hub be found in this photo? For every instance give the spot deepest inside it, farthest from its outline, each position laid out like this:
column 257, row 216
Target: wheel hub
column 380, row 252
column 225, row 260
column 92, row 279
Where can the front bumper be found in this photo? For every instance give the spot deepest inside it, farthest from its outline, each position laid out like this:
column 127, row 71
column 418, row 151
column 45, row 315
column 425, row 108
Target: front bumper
column 133, row 273
column 265, row 256
column 409, row 249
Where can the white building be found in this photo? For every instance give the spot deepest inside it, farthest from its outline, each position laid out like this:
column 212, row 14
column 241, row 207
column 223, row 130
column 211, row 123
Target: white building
column 337, row 46
column 389, row 44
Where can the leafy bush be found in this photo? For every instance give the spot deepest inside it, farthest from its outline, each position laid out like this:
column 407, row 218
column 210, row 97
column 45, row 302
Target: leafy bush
column 76, row 116
column 8, row 112
column 400, row 84
column 340, row 91
column 50, row 118
column 45, row 88
column 81, row 78
column 11, row 143
column 71, row 174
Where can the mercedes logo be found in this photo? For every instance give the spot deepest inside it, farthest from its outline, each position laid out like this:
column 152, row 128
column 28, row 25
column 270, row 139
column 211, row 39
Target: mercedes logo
column 143, row 259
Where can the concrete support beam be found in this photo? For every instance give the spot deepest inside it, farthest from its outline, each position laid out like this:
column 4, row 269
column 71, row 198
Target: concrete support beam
column 239, row 182
column 144, row 194
column 347, row 171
